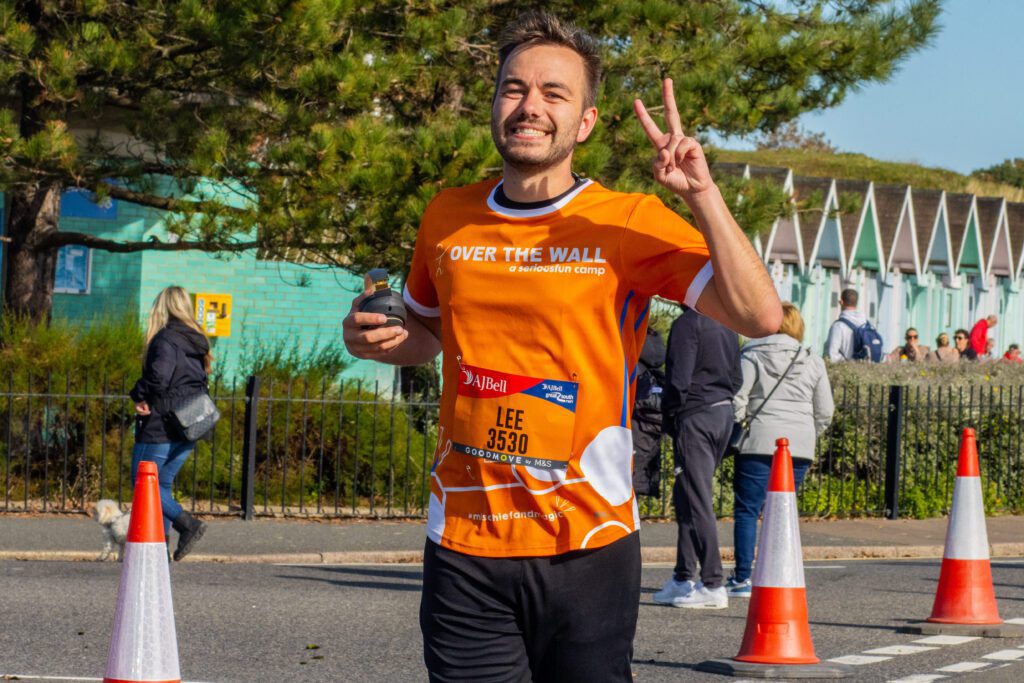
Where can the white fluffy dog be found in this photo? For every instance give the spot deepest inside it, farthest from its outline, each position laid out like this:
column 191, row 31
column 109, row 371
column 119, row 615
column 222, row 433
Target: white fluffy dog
column 115, row 527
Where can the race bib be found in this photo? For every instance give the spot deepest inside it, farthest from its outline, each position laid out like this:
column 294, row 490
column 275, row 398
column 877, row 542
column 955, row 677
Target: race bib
column 514, row 419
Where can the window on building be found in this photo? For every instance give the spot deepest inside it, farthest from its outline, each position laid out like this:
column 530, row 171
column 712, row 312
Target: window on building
column 74, row 270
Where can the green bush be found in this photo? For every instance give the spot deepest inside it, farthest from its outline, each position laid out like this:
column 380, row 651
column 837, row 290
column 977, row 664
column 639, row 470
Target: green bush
column 66, row 428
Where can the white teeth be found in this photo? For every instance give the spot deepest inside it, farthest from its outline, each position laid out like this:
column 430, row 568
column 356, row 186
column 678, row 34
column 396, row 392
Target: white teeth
column 529, row 132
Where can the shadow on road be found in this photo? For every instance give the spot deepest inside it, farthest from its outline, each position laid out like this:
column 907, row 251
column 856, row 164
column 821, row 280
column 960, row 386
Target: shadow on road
column 413, row 576
column 664, row 665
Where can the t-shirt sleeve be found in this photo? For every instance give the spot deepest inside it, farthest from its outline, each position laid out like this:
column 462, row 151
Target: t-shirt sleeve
column 419, row 293
column 664, row 255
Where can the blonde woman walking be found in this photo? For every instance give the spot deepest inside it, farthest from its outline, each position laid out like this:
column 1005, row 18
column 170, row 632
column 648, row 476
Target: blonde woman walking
column 176, row 366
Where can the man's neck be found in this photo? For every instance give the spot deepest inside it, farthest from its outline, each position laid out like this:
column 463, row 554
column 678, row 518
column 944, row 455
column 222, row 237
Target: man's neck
column 526, row 186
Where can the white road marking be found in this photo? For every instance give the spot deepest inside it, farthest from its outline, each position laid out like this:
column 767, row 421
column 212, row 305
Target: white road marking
column 961, row 667
column 1005, row 655
column 919, row 678
column 946, row 640
column 901, row 650
column 1018, row 620
column 858, row 660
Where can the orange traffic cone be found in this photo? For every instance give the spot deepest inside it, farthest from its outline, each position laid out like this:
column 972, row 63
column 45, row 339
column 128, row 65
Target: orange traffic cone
column 777, row 628
column 965, row 601
column 777, row 642
column 143, row 645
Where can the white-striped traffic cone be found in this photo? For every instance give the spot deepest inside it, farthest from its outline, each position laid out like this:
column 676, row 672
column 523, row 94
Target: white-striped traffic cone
column 143, row 645
column 965, row 600
column 777, row 641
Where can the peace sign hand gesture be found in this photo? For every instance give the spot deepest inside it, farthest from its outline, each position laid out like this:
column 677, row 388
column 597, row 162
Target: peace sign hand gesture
column 680, row 164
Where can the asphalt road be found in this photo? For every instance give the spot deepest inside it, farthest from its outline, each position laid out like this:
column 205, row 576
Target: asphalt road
column 329, row 623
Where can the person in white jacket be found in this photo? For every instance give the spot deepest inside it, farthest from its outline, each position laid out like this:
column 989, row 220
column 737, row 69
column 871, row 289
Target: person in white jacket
column 800, row 409
column 840, row 343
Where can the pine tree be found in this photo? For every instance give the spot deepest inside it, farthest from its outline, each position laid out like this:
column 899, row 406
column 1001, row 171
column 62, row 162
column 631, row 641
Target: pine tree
column 323, row 127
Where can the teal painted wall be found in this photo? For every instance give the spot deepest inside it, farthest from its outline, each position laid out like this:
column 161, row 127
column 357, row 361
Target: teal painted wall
column 115, row 278
column 276, row 304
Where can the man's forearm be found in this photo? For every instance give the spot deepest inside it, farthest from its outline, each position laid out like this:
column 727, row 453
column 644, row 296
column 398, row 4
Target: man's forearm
column 422, row 346
column 743, row 286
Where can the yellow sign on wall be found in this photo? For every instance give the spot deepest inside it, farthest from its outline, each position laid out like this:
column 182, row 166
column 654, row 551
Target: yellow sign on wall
column 213, row 313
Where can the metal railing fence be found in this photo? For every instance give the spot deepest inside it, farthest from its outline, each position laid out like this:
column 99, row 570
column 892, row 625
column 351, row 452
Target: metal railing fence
column 297, row 447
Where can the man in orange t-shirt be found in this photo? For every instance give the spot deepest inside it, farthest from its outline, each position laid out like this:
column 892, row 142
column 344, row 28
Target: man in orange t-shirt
column 536, row 288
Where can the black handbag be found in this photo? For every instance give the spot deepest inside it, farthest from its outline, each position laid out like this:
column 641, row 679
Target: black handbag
column 741, row 429
column 196, row 415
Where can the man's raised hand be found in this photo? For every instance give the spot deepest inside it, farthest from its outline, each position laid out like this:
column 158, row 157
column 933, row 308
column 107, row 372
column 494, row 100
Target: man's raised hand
column 679, row 162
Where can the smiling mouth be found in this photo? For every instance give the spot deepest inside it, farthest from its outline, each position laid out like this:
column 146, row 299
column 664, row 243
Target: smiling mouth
column 527, row 133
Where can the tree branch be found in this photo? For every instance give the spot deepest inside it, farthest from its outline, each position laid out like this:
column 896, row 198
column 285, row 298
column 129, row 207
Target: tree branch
column 164, row 203
column 55, row 240
column 62, row 239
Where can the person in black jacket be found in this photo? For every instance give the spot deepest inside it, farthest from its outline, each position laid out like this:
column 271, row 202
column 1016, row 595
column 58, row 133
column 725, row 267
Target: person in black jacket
column 702, row 373
column 177, row 362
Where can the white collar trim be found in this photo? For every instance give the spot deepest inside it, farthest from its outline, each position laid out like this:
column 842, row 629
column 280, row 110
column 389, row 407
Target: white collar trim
column 533, row 213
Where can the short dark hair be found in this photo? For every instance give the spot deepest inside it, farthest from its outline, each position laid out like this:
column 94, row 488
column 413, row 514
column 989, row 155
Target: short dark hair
column 962, row 333
column 543, row 28
column 849, row 297
column 1014, row 347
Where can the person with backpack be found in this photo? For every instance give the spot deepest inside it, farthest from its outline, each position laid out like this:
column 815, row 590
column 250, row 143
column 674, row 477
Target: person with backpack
column 647, row 421
column 851, row 336
column 702, row 373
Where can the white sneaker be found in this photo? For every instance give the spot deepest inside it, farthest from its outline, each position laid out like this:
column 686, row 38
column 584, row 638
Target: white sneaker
column 705, row 598
column 673, row 591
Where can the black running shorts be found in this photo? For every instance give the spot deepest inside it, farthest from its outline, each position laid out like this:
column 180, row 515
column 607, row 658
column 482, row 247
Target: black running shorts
column 566, row 618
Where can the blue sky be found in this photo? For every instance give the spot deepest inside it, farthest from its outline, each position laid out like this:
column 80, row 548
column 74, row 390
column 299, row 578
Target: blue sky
column 958, row 104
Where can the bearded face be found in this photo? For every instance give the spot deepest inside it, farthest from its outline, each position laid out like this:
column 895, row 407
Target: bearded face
column 528, row 143
column 537, row 116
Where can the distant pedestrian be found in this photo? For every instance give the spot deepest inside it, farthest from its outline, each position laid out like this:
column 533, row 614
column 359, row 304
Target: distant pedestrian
column 702, row 375
column 944, row 353
column 851, row 336
column 176, row 366
column 990, row 350
column 788, row 391
column 911, row 351
column 979, row 334
column 962, row 339
column 1012, row 354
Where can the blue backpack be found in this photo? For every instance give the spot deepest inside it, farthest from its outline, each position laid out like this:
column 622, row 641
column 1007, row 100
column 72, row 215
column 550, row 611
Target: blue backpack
column 867, row 343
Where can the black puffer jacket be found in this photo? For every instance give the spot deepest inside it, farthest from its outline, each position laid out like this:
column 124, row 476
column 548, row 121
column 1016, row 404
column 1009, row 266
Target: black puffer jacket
column 173, row 369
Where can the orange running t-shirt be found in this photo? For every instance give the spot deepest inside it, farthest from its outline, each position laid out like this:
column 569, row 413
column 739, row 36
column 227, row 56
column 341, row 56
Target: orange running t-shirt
column 543, row 314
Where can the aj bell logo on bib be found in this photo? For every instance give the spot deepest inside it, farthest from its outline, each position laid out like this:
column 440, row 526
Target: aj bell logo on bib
column 485, row 385
column 514, row 419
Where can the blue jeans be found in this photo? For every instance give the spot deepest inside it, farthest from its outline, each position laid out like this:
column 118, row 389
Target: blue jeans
column 750, row 487
column 169, row 457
